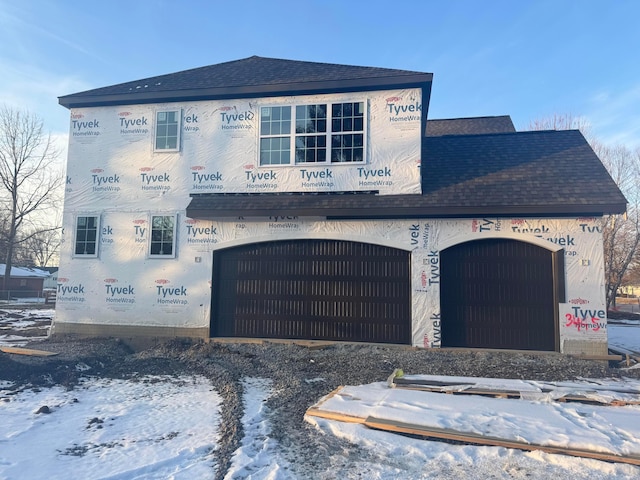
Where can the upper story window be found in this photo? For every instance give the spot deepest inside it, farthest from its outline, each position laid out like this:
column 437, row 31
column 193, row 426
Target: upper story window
column 324, row 133
column 162, row 243
column 347, row 126
column 167, row 138
column 86, row 236
column 275, row 136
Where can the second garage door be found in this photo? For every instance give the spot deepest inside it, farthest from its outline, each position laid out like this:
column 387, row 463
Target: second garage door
column 499, row 293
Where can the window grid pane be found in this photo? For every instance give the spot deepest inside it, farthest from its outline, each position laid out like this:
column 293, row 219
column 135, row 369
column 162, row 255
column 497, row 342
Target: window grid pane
column 162, row 228
column 167, row 129
column 311, row 119
column 86, row 236
column 311, row 149
column 347, row 147
column 275, row 131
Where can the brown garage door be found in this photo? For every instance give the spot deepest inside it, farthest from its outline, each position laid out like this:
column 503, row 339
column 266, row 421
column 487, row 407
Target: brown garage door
column 498, row 293
column 312, row 289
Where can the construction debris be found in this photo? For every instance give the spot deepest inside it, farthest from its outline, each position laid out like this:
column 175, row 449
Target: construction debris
column 27, row 351
column 392, row 411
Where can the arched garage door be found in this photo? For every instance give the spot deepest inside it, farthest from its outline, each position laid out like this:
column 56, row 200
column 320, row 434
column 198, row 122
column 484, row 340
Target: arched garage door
column 312, row 289
column 499, row 293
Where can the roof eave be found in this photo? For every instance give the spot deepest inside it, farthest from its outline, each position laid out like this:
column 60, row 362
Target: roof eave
column 252, row 91
column 381, row 212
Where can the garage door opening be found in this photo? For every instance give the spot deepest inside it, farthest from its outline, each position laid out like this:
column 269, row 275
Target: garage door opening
column 501, row 293
column 312, row 289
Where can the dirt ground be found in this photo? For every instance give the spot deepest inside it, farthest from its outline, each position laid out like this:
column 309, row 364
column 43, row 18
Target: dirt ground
column 300, row 375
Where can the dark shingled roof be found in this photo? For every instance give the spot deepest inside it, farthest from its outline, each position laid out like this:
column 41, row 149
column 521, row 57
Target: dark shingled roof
column 248, row 77
column 469, row 126
column 541, row 173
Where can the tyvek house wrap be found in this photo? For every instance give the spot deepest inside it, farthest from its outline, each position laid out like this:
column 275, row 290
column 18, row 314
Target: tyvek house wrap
column 114, row 173
column 112, row 157
column 127, row 288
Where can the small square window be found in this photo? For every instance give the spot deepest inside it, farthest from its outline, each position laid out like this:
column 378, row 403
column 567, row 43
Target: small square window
column 162, row 242
column 167, row 137
column 86, row 236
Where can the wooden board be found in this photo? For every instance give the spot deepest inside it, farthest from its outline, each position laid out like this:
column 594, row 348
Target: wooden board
column 27, row 351
column 516, row 395
column 474, row 438
column 340, row 417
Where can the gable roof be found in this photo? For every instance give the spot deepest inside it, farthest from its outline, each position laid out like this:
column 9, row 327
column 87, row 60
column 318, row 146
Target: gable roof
column 541, row 173
column 249, row 77
column 469, row 126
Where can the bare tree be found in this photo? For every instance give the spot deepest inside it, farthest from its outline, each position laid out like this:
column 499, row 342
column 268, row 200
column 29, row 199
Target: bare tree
column 621, row 233
column 41, row 247
column 563, row 122
column 29, row 178
column 632, row 278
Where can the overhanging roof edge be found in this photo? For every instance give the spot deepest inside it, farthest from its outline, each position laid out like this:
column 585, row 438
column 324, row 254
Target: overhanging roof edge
column 413, row 212
column 78, row 100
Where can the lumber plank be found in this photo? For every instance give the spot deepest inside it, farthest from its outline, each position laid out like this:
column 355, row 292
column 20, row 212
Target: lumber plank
column 341, row 417
column 327, row 397
column 466, row 391
column 512, row 394
column 431, row 383
column 474, row 438
column 27, row 351
column 550, row 386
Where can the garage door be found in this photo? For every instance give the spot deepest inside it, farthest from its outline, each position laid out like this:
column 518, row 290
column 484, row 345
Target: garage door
column 498, row 293
column 312, row 289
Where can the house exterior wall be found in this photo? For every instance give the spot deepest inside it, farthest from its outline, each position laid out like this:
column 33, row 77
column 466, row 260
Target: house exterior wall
column 115, row 174
column 123, row 289
column 25, row 284
column 51, row 281
column 112, row 156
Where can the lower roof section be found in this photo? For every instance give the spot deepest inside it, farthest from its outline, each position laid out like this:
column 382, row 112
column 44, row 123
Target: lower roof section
column 372, row 206
column 515, row 174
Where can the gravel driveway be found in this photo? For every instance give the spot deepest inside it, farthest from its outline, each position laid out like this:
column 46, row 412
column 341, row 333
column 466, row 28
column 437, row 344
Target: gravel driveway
column 301, row 375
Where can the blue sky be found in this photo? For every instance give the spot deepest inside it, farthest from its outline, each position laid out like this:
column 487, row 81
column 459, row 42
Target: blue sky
column 528, row 59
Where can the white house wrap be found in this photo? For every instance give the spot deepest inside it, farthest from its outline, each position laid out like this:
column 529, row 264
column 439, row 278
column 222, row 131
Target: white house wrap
column 309, row 160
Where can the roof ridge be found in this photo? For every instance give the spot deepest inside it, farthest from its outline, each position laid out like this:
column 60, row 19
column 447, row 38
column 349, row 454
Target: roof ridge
column 468, row 118
column 518, row 132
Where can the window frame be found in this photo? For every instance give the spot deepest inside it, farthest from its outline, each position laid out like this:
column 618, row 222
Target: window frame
column 178, row 112
column 151, row 241
column 97, row 239
column 328, row 135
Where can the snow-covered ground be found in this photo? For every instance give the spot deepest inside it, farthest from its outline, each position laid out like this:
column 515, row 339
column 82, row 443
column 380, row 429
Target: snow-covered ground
column 624, row 335
column 167, row 427
column 154, row 428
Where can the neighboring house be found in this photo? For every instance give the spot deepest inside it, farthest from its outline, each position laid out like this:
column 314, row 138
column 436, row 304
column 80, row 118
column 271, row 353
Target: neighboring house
column 23, row 281
column 51, row 282
column 287, row 199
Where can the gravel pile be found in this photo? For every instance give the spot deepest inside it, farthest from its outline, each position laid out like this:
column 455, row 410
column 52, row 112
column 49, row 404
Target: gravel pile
column 300, row 376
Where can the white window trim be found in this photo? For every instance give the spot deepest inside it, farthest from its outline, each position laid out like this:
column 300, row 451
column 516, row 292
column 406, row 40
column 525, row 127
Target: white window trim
column 155, row 130
column 175, row 235
column 98, row 235
column 328, row 134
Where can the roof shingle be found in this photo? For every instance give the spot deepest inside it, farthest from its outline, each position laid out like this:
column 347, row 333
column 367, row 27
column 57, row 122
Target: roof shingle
column 469, row 126
column 253, row 76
